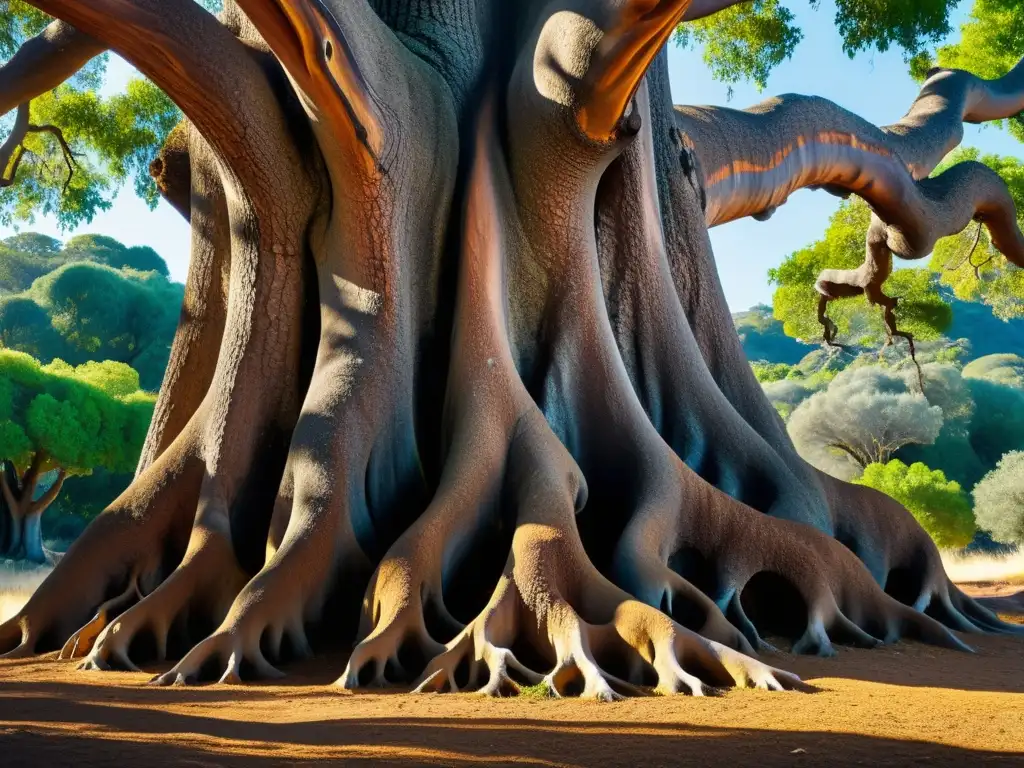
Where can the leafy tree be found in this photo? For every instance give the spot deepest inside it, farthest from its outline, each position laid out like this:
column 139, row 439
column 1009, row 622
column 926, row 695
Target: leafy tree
column 747, row 41
column 93, row 145
column 940, row 506
column 999, row 500
column 768, row 372
column 864, row 417
column 64, row 420
column 89, row 300
column 997, row 426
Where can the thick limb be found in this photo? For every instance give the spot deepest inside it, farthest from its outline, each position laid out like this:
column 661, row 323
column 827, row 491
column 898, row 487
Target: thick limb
column 355, row 473
column 44, row 62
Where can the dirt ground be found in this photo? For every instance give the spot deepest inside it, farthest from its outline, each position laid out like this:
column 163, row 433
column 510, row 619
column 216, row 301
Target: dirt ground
column 906, row 704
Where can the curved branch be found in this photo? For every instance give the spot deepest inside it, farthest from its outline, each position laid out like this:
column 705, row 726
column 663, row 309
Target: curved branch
column 751, row 161
column 44, row 62
column 620, row 62
column 12, row 150
column 177, row 45
column 701, row 8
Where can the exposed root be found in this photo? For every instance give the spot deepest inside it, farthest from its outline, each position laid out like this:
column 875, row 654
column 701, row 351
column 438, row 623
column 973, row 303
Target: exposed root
column 82, row 641
column 207, row 580
column 593, row 639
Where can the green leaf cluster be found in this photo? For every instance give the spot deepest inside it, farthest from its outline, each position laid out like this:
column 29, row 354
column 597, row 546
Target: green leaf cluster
column 999, row 500
column 939, row 505
column 746, row 42
column 78, row 418
column 91, row 299
column 922, row 310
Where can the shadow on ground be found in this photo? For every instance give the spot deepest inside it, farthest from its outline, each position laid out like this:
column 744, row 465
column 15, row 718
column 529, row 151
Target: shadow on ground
column 105, row 735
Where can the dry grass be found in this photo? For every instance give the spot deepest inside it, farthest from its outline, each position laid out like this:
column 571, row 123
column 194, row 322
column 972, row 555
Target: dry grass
column 17, row 583
column 985, row 569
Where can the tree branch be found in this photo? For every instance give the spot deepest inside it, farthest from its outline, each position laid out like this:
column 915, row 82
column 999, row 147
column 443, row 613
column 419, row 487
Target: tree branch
column 47, row 498
column 621, row 61
column 13, row 147
column 44, row 62
column 752, row 161
column 313, row 39
column 701, row 8
column 179, row 45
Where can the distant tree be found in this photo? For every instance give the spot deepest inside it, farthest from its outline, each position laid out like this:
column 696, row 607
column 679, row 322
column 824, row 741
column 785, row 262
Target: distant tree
column 85, row 310
column 997, row 386
column 864, row 417
column 999, row 500
column 106, row 250
column 785, row 395
column 66, row 421
column 763, row 338
column 768, row 372
column 922, row 310
column 940, row 506
column 747, row 41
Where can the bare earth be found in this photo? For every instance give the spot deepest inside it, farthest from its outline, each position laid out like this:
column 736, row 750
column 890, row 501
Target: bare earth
column 900, row 705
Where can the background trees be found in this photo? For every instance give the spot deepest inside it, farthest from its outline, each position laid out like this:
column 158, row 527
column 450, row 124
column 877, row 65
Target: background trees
column 940, row 506
column 60, row 420
column 92, row 299
column 999, row 500
column 864, row 417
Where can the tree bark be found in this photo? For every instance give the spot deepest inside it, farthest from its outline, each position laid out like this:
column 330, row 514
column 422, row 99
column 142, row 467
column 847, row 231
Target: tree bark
column 515, row 440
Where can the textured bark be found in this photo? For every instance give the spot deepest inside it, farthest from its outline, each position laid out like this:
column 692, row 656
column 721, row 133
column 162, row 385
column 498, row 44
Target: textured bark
column 21, row 536
column 518, row 443
column 44, row 62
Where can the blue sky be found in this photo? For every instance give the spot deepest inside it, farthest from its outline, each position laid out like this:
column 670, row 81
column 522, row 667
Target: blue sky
column 875, row 85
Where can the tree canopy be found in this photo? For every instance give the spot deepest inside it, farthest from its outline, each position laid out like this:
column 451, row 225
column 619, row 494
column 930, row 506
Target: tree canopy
column 92, row 299
column 940, row 506
column 57, row 418
column 80, row 418
column 747, row 41
column 999, row 500
column 864, row 417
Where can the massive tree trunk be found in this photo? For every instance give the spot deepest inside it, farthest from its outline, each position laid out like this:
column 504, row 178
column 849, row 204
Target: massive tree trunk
column 518, row 442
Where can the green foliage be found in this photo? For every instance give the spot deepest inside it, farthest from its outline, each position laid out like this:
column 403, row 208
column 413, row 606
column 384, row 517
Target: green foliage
column 747, row 41
column 744, row 42
column 89, row 301
column 76, row 418
column 995, row 281
column 768, row 372
column 997, row 426
column 864, row 416
column 113, row 138
column 990, row 44
column 999, row 500
column 921, row 311
column 939, row 505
